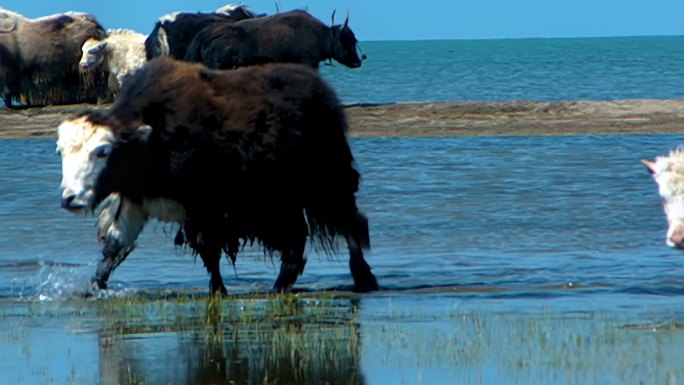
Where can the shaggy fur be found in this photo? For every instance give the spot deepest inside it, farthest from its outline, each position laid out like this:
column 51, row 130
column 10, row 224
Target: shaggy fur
column 289, row 37
column 39, row 59
column 668, row 172
column 119, row 54
column 257, row 154
column 173, row 33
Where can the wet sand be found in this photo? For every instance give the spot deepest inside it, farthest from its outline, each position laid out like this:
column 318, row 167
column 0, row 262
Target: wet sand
column 471, row 118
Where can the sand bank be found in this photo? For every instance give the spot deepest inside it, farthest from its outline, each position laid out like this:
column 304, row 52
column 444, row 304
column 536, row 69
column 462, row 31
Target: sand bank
column 444, row 119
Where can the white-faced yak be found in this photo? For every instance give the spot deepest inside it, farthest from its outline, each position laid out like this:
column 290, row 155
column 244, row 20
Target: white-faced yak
column 258, row 154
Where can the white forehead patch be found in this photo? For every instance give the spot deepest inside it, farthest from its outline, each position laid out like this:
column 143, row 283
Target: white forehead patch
column 90, row 43
column 80, row 135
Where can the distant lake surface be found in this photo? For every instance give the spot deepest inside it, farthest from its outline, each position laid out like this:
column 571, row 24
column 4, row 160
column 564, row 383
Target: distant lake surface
column 529, row 69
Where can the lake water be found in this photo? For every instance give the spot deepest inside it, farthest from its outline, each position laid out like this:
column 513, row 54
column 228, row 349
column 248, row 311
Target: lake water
column 569, row 216
column 518, row 260
column 539, row 234
column 529, row 69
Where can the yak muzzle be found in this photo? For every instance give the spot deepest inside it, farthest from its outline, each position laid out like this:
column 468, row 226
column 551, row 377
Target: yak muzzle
column 73, row 203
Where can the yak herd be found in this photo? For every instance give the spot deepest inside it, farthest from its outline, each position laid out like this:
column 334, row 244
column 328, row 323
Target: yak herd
column 70, row 58
column 220, row 124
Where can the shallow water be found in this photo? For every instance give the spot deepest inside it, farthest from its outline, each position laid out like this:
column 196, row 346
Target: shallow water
column 520, row 254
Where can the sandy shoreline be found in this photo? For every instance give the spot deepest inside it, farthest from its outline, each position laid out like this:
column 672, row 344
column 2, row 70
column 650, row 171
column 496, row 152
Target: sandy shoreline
column 444, row 119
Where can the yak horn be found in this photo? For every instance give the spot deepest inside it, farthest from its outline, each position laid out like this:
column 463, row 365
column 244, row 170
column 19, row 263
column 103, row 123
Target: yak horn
column 346, row 21
column 332, row 19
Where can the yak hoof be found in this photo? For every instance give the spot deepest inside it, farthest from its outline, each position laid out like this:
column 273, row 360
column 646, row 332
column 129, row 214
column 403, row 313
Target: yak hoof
column 215, row 288
column 289, row 272
column 280, row 288
column 95, row 286
column 98, row 284
column 366, row 283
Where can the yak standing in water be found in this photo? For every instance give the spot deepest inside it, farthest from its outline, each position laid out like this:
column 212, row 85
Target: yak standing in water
column 289, row 37
column 257, row 154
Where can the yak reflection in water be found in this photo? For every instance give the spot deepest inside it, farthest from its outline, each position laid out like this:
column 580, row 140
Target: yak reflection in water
column 281, row 340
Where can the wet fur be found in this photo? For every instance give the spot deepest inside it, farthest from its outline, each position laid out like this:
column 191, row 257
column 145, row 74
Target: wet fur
column 253, row 155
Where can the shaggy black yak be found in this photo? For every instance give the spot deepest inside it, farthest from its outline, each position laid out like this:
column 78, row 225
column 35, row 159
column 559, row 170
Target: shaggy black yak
column 257, row 154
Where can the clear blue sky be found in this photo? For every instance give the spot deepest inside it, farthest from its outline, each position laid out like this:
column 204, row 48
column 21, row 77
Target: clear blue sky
column 414, row 20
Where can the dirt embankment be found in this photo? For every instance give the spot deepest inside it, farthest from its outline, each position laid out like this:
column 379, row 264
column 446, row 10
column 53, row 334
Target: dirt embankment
column 444, row 119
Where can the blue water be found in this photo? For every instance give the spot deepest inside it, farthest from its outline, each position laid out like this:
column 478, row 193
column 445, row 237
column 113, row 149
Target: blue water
column 512, row 218
column 529, row 69
column 495, row 255
column 478, row 242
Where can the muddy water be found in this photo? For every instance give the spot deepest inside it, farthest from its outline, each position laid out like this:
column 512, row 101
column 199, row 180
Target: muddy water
column 514, row 259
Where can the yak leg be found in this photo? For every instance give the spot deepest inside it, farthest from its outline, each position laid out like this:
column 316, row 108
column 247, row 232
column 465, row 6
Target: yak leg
column 113, row 253
column 211, row 256
column 292, row 259
column 120, row 222
column 357, row 240
column 205, row 241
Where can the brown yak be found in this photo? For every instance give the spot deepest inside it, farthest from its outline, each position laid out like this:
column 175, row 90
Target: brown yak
column 39, row 59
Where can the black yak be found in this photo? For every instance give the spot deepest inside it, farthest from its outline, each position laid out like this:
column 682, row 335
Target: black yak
column 257, row 154
column 289, row 37
column 173, row 33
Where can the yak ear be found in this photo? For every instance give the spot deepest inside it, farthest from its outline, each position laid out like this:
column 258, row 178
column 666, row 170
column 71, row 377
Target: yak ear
column 650, row 166
column 140, row 134
column 143, row 133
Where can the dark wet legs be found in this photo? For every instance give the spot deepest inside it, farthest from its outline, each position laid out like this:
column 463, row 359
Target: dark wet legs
column 120, row 222
column 292, row 257
column 211, row 262
column 291, row 267
column 206, row 242
column 211, row 256
column 113, row 254
column 364, row 280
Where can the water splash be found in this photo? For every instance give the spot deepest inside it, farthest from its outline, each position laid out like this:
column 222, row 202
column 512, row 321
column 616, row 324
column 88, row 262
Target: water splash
column 59, row 282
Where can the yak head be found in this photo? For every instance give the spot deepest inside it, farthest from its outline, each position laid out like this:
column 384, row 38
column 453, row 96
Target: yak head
column 668, row 172
column 86, row 145
column 9, row 21
column 344, row 44
column 92, row 53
